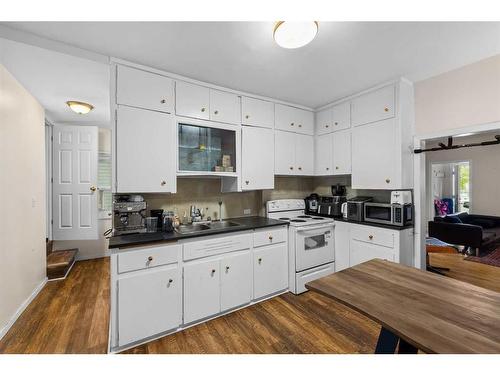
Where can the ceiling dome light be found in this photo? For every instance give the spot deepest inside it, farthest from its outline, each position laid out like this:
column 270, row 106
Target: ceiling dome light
column 80, row 107
column 294, row 34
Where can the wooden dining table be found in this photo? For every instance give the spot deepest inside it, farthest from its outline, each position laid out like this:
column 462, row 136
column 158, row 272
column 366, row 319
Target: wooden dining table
column 418, row 310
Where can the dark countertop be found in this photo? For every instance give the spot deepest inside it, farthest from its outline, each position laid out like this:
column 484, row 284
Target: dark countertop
column 246, row 223
column 370, row 224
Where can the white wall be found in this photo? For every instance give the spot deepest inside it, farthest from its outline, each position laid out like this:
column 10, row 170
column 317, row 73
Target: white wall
column 22, row 192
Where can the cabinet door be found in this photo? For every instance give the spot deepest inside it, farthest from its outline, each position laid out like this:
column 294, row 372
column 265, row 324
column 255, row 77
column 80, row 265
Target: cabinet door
column 270, row 269
column 324, row 120
column 224, row 107
column 201, row 290
column 362, row 252
column 304, row 122
column 375, row 155
column 236, row 280
column 256, row 112
column 192, row 100
column 323, row 162
column 145, row 151
column 257, row 162
column 149, row 303
column 341, row 245
column 374, row 106
column 141, row 89
column 342, row 152
column 341, row 116
column 304, row 155
column 285, row 117
column 284, row 153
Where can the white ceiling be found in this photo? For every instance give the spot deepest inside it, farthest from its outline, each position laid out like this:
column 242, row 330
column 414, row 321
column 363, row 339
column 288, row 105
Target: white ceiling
column 54, row 78
column 345, row 57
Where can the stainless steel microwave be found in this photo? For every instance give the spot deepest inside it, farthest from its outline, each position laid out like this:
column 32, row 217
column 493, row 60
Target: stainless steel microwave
column 390, row 214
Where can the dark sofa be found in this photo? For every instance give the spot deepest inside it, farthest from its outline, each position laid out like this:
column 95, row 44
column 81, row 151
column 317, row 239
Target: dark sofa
column 474, row 231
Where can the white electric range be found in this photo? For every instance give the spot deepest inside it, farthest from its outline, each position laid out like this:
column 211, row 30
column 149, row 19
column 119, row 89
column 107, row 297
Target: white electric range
column 311, row 251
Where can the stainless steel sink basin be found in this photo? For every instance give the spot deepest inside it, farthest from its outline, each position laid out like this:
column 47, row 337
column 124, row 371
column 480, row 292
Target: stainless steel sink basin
column 215, row 225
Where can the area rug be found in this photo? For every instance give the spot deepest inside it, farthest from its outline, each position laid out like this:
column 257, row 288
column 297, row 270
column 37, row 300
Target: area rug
column 492, row 258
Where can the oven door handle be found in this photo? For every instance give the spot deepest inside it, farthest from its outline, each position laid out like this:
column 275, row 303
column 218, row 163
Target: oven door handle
column 328, row 227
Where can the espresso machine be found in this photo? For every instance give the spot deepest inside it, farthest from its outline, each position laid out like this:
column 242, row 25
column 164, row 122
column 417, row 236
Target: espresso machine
column 129, row 214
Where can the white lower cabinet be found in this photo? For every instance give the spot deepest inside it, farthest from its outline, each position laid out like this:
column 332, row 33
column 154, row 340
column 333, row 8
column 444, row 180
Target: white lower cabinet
column 149, row 303
column 201, row 290
column 342, row 237
column 270, row 270
column 236, row 280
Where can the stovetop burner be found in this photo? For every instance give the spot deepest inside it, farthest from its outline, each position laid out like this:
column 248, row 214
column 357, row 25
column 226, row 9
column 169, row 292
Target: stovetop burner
column 304, row 216
column 298, row 221
column 284, row 218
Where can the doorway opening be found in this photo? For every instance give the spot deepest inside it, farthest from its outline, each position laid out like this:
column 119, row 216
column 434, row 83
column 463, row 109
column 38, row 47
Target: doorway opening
column 450, row 187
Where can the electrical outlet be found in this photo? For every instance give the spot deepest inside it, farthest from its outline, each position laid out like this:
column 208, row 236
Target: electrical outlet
column 247, row 211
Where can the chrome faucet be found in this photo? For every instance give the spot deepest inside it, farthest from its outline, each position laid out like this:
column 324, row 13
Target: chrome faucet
column 220, row 210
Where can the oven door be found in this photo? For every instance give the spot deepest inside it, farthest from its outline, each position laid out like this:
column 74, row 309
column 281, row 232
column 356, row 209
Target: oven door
column 378, row 213
column 314, row 246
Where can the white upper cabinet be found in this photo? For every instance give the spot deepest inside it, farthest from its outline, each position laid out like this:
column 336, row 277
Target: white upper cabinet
column 256, row 112
column 341, row 116
column 374, row 106
column 192, row 100
column 137, row 88
column 293, row 119
column 140, row 166
column 224, row 107
column 323, row 150
column 375, row 156
column 304, row 154
column 324, row 121
column 341, row 142
column 257, row 162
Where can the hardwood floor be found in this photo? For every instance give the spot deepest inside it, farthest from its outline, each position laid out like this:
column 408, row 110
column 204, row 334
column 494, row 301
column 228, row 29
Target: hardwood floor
column 71, row 316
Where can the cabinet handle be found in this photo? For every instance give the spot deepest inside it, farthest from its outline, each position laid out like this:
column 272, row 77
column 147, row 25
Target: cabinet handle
column 203, row 109
column 163, row 101
column 216, row 112
column 387, row 180
column 247, row 116
column 370, row 237
column 386, row 109
column 163, row 183
column 246, row 182
column 260, row 260
column 270, row 238
column 150, row 258
column 292, row 124
column 227, row 268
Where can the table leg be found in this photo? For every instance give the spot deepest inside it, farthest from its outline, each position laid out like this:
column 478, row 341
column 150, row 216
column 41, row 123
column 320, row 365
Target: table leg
column 387, row 342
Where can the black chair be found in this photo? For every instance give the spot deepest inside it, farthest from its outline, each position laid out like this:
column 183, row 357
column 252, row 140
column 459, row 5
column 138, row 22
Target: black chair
column 478, row 232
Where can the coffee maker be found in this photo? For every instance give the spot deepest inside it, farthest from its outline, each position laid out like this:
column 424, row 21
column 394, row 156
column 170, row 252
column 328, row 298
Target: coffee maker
column 129, row 213
column 332, row 206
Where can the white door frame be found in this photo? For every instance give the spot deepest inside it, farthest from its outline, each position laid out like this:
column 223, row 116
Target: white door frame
column 420, row 181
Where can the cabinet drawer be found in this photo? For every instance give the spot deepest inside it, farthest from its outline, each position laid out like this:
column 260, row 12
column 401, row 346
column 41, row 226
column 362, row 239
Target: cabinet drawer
column 147, row 257
column 374, row 106
column 362, row 252
column 217, row 245
column 269, row 236
column 376, row 236
column 302, row 278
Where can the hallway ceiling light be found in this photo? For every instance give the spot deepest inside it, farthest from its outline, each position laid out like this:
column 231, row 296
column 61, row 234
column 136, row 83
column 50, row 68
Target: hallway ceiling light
column 80, row 107
column 294, row 34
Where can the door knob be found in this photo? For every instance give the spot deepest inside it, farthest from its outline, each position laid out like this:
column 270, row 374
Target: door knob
column 93, row 188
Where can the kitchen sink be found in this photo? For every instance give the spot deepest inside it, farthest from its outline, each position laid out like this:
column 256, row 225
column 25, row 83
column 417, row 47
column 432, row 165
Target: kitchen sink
column 215, row 225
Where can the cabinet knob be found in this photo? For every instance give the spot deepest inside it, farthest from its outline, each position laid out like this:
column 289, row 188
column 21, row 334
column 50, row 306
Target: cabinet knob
column 163, row 183
column 216, row 112
column 246, row 182
column 300, row 168
column 300, row 125
column 292, row 124
column 270, row 238
column 247, row 116
column 170, row 281
column 213, row 272
column 203, row 109
column 336, row 167
column 326, row 126
column 387, row 180
column 291, row 168
column 227, row 268
column 260, row 260
column 150, row 258
column 327, row 168
column 163, row 101
column 386, row 109
column 336, row 123
column 370, row 237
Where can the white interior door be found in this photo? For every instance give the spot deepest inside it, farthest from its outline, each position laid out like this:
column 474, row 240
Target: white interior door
column 74, row 185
